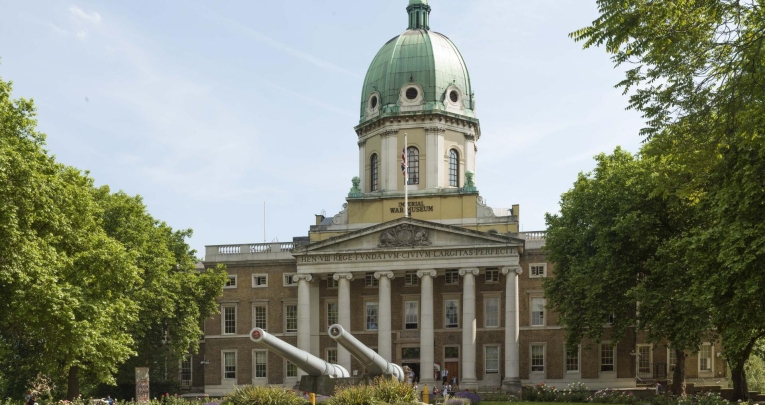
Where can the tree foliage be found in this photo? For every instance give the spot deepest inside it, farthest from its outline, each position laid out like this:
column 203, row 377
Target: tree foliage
column 87, row 277
column 695, row 71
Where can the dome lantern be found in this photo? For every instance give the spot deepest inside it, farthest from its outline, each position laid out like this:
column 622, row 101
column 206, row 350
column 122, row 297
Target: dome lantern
column 419, row 15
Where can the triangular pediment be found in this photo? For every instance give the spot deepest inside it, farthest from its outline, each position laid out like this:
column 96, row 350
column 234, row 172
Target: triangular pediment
column 409, row 233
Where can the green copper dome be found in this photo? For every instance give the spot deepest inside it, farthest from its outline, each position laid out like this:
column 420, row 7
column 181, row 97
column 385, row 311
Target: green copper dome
column 419, row 70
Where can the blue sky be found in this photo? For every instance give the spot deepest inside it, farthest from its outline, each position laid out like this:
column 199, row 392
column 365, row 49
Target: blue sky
column 208, row 109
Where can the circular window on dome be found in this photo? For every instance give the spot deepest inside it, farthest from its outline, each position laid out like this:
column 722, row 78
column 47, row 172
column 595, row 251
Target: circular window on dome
column 412, row 93
column 373, row 102
column 454, row 96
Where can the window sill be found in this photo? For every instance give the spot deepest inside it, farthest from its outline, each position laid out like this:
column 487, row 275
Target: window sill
column 233, row 287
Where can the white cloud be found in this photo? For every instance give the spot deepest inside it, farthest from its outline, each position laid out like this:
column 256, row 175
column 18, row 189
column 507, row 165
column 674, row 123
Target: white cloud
column 93, row 17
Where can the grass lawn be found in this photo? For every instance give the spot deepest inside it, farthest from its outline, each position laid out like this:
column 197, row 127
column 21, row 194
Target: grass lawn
column 535, row 403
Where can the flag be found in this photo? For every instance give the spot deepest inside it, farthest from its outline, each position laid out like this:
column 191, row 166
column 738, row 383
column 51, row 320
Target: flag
column 403, row 162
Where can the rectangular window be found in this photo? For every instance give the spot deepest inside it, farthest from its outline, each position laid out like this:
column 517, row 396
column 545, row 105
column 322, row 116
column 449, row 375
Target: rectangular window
column 411, row 316
column 290, row 318
column 451, row 312
column 537, row 358
column 606, row 357
column 537, row 312
column 291, row 370
column 491, row 315
column 332, row 356
column 705, row 358
column 410, row 353
column 410, row 278
column 331, row 282
column 370, row 280
column 260, row 363
column 287, row 280
column 229, row 320
column 259, row 280
column 492, row 275
column 332, row 308
column 230, row 281
column 492, row 359
column 452, row 277
column 644, row 361
column 371, row 311
column 229, row 365
column 537, row 270
column 672, row 359
column 572, row 360
column 452, row 352
column 186, row 371
column 259, row 316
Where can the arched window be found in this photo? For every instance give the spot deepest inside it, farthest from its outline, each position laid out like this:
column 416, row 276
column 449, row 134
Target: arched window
column 454, row 168
column 413, row 159
column 373, row 174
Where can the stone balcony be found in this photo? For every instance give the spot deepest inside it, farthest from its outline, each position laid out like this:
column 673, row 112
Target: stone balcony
column 249, row 252
column 534, row 239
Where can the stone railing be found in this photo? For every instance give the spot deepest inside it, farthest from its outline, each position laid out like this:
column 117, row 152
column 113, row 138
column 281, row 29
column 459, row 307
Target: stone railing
column 534, row 239
column 502, row 212
column 248, row 251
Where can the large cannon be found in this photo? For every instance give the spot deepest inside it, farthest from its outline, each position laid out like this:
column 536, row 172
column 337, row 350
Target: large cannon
column 312, row 365
column 373, row 362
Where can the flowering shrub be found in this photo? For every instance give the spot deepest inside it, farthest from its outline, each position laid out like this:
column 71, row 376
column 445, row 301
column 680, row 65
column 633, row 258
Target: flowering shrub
column 575, row 392
column 540, row 393
column 608, row 396
column 470, row 396
column 252, row 395
column 700, row 398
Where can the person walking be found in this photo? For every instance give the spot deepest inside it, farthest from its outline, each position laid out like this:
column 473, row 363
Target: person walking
column 444, row 375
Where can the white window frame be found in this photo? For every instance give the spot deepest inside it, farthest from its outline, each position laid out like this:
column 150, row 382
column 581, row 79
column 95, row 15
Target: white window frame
column 613, row 357
column 531, row 312
column 486, row 311
column 286, row 370
column 370, row 281
column 578, row 360
column 537, row 373
column 187, row 358
column 288, row 282
column 290, row 304
column 411, row 279
column 331, row 282
column 650, row 358
column 452, row 277
column 711, row 370
column 255, row 364
column 366, row 314
column 486, row 369
column 228, row 278
column 670, row 365
column 254, row 315
column 223, row 365
column 446, row 324
column 416, row 315
column 544, row 270
column 223, row 318
column 337, row 315
column 328, row 357
column 258, row 276
column 491, row 276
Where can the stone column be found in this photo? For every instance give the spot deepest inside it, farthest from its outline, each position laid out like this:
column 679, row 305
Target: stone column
column 512, row 380
column 469, row 380
column 344, row 314
column 304, row 314
column 427, row 337
column 384, row 340
column 434, row 158
column 363, row 165
column 469, row 155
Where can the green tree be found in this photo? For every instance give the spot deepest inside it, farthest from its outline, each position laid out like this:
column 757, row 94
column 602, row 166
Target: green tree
column 610, row 245
column 696, row 73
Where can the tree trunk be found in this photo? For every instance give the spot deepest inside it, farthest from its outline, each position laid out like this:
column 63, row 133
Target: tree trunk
column 73, row 389
column 678, row 376
column 740, row 389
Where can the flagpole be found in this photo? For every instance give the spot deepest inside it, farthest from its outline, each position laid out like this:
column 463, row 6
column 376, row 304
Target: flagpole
column 406, row 180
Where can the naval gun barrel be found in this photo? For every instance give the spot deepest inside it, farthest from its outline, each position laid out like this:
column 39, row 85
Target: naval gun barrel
column 305, row 361
column 373, row 362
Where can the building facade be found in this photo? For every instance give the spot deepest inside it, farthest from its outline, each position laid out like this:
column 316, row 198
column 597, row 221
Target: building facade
column 454, row 286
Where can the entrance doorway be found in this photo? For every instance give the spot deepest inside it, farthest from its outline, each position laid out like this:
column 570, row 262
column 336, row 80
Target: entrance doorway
column 453, row 367
column 415, row 369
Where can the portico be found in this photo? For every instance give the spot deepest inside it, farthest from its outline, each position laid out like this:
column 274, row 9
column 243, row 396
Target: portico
column 425, row 251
